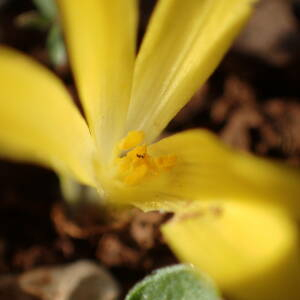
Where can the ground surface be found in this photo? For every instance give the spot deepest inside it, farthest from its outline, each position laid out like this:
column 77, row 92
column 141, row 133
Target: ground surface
column 251, row 101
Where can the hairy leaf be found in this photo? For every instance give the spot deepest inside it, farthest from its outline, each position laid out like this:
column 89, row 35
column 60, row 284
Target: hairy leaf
column 179, row 282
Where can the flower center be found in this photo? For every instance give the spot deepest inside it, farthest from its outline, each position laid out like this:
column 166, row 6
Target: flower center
column 135, row 164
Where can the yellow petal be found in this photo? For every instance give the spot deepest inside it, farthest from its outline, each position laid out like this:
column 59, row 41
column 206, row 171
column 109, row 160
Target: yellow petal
column 184, row 43
column 250, row 250
column 201, row 168
column 208, row 169
column 101, row 40
column 38, row 121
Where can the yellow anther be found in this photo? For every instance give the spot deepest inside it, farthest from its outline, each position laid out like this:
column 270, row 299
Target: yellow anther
column 132, row 139
column 165, row 162
column 138, row 152
column 137, row 165
column 137, row 175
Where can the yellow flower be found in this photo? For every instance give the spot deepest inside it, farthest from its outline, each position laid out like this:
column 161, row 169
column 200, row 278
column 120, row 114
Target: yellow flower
column 128, row 100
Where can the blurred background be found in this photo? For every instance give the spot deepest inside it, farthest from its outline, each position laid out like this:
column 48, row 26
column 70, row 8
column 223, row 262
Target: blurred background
column 252, row 102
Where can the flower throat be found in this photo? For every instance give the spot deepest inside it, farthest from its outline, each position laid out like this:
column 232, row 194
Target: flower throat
column 134, row 162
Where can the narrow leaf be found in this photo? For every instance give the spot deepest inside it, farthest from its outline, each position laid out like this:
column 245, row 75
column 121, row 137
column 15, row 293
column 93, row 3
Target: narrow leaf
column 56, row 46
column 47, row 8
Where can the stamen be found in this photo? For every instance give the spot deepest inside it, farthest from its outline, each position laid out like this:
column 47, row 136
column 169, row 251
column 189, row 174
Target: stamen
column 132, row 139
column 136, row 165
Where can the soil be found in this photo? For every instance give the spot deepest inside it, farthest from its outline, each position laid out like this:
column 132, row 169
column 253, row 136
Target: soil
column 252, row 101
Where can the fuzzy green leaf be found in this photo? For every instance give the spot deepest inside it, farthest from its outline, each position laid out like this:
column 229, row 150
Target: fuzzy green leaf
column 178, row 282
